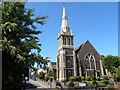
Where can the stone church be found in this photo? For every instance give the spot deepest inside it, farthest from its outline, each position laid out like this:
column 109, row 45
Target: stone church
column 81, row 61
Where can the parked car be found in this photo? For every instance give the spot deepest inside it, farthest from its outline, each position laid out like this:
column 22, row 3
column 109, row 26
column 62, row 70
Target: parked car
column 34, row 78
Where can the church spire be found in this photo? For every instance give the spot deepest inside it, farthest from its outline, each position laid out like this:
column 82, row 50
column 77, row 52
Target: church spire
column 64, row 25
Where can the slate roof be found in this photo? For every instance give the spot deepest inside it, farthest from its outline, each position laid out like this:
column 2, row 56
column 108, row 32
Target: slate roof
column 53, row 63
column 80, row 47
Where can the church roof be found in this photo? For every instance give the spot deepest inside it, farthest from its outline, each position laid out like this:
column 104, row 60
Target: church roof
column 80, row 47
column 53, row 63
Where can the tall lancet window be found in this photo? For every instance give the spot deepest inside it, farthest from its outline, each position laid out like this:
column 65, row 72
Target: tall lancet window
column 87, row 63
column 69, row 73
column 68, row 41
column 92, row 62
column 69, row 63
column 71, row 41
column 65, row 41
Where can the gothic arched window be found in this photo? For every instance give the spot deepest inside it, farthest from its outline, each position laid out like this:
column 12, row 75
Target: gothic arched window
column 71, row 41
column 92, row 62
column 69, row 63
column 68, row 41
column 65, row 41
column 89, row 61
column 69, row 73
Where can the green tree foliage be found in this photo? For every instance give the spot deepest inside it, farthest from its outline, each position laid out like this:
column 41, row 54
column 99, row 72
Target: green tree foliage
column 46, row 78
column 50, row 73
column 111, row 63
column 18, row 39
column 118, row 73
column 41, row 75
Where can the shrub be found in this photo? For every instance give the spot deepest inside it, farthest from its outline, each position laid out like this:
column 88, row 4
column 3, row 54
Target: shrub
column 50, row 73
column 94, row 82
column 83, row 82
column 93, row 78
column 41, row 75
column 111, row 87
column 83, row 78
column 70, row 84
column 104, row 77
column 105, row 81
column 77, row 78
column 46, row 78
column 71, row 78
column 56, row 87
column 87, row 78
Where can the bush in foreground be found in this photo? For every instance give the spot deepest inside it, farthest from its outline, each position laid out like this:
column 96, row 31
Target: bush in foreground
column 104, row 77
column 77, row 78
column 105, row 81
column 93, row 78
column 71, row 78
column 87, row 78
column 70, row 84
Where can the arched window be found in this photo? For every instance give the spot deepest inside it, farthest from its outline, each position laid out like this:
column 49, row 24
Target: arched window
column 92, row 62
column 69, row 63
column 65, row 40
column 69, row 73
column 68, row 41
column 89, row 61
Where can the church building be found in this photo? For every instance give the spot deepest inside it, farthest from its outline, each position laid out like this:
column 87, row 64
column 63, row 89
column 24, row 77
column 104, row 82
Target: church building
column 81, row 61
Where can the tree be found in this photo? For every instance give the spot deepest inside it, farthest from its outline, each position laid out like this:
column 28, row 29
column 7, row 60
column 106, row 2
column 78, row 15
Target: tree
column 41, row 75
column 118, row 73
column 18, row 39
column 50, row 73
column 111, row 63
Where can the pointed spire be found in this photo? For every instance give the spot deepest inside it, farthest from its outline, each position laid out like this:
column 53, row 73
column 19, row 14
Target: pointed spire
column 64, row 13
column 64, row 25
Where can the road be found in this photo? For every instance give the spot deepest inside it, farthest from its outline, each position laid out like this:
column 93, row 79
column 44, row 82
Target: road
column 32, row 85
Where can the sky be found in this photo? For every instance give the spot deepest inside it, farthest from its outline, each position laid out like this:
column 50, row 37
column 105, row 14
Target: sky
column 93, row 21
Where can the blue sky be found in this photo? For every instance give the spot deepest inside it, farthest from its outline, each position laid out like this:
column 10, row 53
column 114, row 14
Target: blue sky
column 93, row 21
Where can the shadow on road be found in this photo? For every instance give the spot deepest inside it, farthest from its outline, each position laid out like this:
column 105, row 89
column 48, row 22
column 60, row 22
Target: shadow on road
column 30, row 86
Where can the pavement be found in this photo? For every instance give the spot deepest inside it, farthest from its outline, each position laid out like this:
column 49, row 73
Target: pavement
column 44, row 85
column 32, row 85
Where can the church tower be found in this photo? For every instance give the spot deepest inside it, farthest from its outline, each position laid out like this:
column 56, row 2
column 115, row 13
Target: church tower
column 66, row 56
